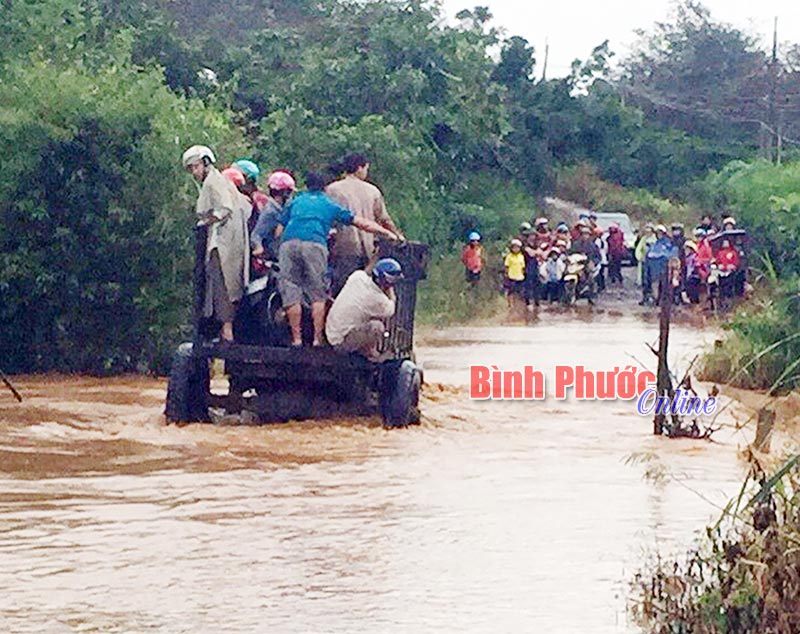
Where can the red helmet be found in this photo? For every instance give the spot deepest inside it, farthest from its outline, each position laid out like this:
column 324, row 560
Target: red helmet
column 234, row 175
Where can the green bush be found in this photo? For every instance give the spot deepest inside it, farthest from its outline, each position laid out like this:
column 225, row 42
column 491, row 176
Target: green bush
column 96, row 215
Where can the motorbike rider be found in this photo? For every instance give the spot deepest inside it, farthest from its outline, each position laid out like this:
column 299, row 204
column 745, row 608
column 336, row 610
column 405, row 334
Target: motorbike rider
column 728, row 261
column 586, row 245
column 583, row 220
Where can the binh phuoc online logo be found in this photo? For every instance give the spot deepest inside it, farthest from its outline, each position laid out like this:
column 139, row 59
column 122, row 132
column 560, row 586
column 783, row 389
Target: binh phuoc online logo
column 626, row 384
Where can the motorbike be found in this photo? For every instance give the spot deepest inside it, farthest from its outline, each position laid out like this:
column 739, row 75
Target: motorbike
column 721, row 287
column 260, row 319
column 579, row 279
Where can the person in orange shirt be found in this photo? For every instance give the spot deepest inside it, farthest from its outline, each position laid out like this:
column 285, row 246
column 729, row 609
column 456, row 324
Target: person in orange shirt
column 472, row 258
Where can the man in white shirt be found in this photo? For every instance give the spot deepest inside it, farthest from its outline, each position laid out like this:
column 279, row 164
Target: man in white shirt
column 357, row 319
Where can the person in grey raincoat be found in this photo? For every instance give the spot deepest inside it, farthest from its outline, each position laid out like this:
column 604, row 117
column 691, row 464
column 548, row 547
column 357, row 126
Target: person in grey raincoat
column 225, row 211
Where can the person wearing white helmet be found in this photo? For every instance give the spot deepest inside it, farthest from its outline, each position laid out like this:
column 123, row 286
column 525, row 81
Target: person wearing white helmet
column 224, row 211
column 514, row 265
column 472, row 258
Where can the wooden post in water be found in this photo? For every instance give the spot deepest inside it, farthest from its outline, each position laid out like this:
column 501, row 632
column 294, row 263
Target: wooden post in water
column 663, row 380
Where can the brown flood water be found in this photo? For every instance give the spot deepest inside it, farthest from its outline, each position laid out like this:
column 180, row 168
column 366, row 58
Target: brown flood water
column 488, row 517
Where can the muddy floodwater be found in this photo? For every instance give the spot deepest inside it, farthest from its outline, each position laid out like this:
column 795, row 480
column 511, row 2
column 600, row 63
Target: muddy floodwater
column 488, row 517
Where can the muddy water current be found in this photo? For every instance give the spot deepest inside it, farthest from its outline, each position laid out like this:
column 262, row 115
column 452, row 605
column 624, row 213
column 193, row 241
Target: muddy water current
column 488, row 517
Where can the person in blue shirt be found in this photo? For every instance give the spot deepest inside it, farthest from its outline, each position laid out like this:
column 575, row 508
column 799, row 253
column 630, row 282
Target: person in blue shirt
column 303, row 254
column 658, row 256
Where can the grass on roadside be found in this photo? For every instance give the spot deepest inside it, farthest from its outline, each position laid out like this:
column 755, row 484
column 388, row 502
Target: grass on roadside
column 445, row 297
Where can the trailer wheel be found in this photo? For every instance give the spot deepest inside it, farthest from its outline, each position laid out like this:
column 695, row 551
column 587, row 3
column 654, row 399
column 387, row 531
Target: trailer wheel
column 188, row 386
column 400, row 395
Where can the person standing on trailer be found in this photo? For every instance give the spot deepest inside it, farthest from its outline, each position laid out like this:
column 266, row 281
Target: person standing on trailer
column 225, row 211
column 303, row 254
column 352, row 249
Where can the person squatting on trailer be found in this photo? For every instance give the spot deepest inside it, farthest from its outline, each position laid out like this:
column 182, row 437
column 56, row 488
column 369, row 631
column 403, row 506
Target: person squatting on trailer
column 352, row 249
column 225, row 211
column 357, row 320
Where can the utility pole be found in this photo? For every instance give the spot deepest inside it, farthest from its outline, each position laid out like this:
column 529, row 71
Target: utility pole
column 546, row 56
column 775, row 140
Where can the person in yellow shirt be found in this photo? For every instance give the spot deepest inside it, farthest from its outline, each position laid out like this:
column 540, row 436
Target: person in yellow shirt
column 514, row 280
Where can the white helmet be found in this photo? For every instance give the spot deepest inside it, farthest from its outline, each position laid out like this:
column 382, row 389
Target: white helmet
column 197, row 153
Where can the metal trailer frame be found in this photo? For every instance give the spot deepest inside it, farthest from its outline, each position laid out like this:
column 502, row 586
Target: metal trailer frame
column 280, row 383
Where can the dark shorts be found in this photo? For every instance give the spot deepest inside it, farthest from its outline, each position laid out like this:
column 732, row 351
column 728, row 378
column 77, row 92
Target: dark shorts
column 303, row 267
column 472, row 276
column 514, row 287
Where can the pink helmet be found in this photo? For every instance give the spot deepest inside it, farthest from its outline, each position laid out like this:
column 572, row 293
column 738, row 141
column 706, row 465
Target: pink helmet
column 234, row 175
column 280, row 181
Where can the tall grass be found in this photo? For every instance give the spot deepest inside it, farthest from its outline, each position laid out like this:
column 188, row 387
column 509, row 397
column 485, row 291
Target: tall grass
column 446, row 298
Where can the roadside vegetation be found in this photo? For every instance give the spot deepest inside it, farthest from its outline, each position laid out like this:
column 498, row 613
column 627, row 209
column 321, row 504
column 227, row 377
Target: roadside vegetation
column 744, row 575
column 99, row 98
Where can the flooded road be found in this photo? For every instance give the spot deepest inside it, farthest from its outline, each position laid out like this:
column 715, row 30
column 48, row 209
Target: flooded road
column 488, row 517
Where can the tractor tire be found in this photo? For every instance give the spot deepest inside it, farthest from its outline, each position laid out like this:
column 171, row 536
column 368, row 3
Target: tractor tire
column 188, row 387
column 400, row 395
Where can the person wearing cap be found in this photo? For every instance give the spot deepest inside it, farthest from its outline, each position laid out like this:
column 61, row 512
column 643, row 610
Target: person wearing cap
column 551, row 273
column 729, row 223
column 352, row 249
column 264, row 239
column 514, row 267
column 357, row 320
column 472, row 258
column 303, row 254
column 224, row 211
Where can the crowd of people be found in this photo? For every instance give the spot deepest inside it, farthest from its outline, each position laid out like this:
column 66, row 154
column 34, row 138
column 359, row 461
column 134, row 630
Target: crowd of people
column 540, row 262
column 320, row 242
column 536, row 265
column 711, row 266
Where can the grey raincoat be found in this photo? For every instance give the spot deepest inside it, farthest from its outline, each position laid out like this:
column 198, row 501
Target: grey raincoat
column 226, row 212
